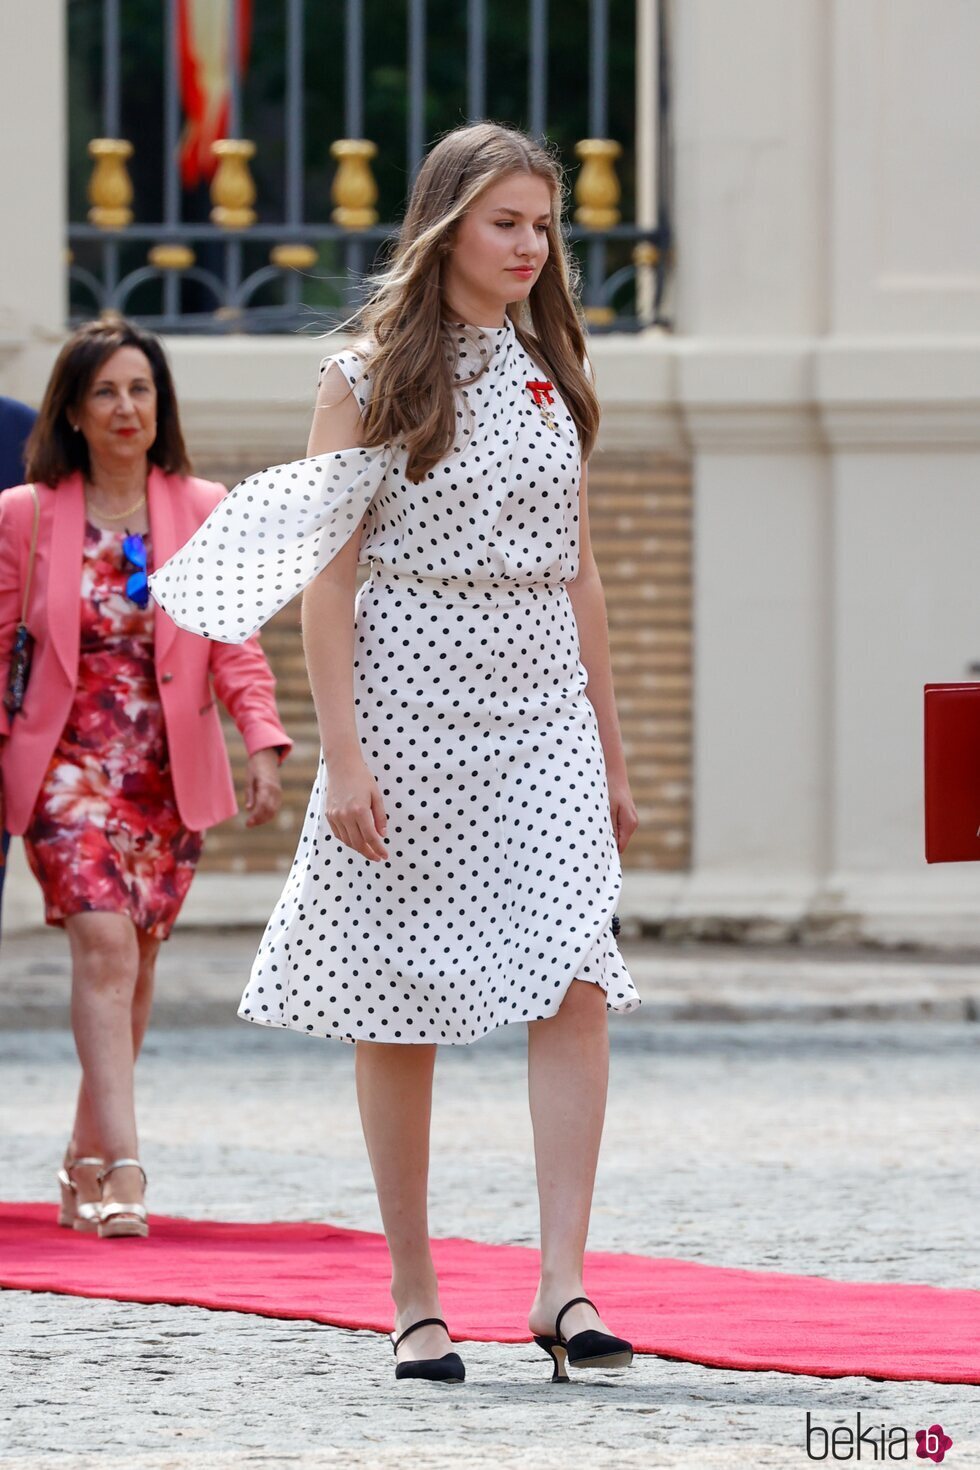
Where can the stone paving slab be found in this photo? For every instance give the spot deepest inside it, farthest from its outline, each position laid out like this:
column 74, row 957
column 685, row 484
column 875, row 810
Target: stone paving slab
column 844, row 1150
column 202, row 973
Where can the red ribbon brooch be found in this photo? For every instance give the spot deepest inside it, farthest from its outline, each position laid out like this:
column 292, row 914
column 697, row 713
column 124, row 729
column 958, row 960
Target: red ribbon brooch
column 541, row 391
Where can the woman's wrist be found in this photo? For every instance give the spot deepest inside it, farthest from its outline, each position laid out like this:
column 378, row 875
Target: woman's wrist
column 615, row 760
column 342, row 752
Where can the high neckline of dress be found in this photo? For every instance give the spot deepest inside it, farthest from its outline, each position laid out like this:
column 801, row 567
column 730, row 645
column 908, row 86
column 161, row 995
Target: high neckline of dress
column 494, row 332
column 478, row 347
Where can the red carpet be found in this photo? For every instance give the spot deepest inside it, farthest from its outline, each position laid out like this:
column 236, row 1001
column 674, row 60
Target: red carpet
column 714, row 1315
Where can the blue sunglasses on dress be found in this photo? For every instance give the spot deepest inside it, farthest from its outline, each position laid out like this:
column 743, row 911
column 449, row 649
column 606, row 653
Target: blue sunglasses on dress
column 137, row 586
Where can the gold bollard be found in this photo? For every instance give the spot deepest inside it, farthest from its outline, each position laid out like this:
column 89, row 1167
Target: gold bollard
column 232, row 189
column 294, row 257
column 597, row 187
column 171, row 257
column 646, row 258
column 354, row 191
column 646, row 255
column 110, row 190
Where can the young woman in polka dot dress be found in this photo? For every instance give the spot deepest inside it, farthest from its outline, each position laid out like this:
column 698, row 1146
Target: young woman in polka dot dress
column 458, row 867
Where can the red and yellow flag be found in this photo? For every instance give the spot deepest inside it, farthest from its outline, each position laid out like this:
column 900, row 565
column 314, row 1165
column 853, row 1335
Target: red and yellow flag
column 204, row 31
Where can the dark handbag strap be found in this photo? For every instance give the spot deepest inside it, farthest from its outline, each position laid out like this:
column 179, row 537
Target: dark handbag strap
column 30, row 564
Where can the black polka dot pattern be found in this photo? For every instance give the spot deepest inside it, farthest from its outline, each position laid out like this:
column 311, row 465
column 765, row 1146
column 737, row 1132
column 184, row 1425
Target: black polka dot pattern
column 502, row 875
column 265, row 541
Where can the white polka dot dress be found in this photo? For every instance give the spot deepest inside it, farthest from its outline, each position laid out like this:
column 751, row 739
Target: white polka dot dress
column 503, row 875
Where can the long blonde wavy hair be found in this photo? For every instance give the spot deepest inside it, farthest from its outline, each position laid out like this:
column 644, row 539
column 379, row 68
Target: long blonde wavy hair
column 409, row 346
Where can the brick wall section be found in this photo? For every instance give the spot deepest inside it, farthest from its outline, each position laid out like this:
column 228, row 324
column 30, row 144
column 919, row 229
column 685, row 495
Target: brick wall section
column 640, row 513
column 641, row 531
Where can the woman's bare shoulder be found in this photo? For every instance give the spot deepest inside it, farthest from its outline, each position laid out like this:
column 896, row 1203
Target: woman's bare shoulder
column 350, row 364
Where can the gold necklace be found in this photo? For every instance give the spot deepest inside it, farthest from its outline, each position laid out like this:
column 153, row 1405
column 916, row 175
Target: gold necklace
column 121, row 516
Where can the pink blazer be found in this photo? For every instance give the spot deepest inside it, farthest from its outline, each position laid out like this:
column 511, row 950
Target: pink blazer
column 190, row 670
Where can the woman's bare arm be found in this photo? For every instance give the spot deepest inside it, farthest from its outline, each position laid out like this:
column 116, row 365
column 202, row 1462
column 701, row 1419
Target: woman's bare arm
column 354, row 806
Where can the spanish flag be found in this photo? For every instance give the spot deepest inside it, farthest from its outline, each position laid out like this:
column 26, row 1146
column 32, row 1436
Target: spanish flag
column 204, row 34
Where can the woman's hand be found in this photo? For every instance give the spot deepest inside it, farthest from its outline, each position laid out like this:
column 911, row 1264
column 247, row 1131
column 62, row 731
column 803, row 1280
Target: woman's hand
column 355, row 810
column 622, row 810
column 263, row 793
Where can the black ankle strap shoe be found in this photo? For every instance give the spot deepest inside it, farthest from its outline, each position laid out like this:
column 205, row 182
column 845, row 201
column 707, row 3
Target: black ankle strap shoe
column 586, row 1349
column 447, row 1369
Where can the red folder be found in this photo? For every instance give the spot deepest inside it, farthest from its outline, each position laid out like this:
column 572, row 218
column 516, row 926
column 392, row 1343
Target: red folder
column 952, row 772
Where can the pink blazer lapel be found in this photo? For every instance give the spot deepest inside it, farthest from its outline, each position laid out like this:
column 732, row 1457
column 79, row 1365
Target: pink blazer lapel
column 165, row 540
column 65, row 571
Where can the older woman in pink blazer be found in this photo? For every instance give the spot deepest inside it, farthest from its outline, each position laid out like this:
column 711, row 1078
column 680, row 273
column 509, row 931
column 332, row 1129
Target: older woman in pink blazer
column 115, row 764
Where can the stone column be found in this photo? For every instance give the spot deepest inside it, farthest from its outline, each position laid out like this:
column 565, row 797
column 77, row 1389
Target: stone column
column 33, row 299
column 33, row 124
column 899, row 385
column 750, row 122
column 827, row 375
column 751, row 296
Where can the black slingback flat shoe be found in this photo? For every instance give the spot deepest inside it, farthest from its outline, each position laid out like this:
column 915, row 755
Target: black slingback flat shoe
column 447, row 1369
column 585, row 1349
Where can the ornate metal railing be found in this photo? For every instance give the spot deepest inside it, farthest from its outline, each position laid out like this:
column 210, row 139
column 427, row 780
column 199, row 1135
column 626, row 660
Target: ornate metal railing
column 236, row 271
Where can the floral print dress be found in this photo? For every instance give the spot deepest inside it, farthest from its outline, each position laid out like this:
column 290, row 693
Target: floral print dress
column 105, row 835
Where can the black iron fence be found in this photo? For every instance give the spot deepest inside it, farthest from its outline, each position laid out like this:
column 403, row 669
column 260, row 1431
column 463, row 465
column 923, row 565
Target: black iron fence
column 226, row 258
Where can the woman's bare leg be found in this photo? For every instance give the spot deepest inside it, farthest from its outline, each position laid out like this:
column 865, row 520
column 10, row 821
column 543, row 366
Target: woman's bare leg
column 85, row 1177
column 149, row 948
column 105, row 966
column 568, row 1072
column 394, row 1093
column 85, row 1125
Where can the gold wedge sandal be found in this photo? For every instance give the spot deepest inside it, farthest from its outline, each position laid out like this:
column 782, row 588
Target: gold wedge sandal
column 118, row 1221
column 73, row 1214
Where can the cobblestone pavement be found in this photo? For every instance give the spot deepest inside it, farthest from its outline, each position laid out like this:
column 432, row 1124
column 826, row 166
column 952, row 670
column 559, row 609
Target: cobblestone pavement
column 744, row 1137
column 843, row 1149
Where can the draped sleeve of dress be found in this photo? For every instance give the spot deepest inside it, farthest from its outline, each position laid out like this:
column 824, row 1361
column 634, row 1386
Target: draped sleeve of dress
column 502, row 875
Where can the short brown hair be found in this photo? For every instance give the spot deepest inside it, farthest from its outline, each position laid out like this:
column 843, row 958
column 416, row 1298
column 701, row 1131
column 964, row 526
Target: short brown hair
column 54, row 451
